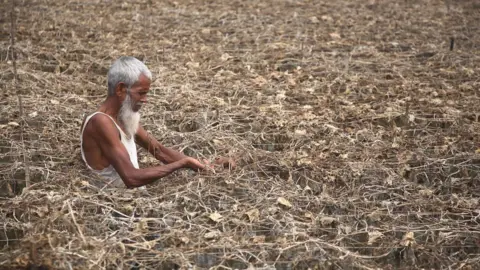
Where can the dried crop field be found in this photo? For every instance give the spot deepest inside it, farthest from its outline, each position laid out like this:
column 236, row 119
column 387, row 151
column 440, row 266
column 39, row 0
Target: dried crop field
column 354, row 124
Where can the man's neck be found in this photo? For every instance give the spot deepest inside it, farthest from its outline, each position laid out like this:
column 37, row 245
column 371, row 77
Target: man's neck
column 111, row 107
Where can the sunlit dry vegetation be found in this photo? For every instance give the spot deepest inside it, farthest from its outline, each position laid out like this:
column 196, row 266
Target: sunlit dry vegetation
column 354, row 125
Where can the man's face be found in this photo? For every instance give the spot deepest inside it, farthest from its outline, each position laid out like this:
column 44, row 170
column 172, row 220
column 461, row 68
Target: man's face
column 138, row 92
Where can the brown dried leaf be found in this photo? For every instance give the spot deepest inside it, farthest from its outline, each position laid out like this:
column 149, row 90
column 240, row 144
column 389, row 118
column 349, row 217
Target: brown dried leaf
column 142, row 226
column 22, row 260
column 304, row 161
column 193, row 65
column 308, row 215
column 275, row 75
column 225, row 57
column 185, row 240
column 215, row 217
column 373, row 237
column 291, row 82
column 284, row 202
column 335, row 36
column 426, row 192
column 327, row 221
column 258, row 239
column 259, row 81
column 212, row 235
column 272, row 210
column 408, row 239
column 41, row 211
column 375, row 216
column 314, row 19
column 253, row 214
column 327, row 18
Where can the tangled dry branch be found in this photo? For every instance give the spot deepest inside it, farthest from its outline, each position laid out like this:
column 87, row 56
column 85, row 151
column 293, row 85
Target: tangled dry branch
column 353, row 124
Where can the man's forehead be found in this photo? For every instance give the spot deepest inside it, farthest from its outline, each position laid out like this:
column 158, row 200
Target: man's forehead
column 143, row 81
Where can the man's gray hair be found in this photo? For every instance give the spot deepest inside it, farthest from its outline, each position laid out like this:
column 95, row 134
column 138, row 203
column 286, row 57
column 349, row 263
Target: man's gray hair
column 126, row 69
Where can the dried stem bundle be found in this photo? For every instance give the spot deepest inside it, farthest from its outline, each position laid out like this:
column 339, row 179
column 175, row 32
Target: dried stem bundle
column 353, row 125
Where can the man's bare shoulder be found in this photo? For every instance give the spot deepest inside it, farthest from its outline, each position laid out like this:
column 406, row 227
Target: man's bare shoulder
column 101, row 126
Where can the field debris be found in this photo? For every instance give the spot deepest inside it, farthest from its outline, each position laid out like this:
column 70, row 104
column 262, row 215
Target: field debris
column 354, row 127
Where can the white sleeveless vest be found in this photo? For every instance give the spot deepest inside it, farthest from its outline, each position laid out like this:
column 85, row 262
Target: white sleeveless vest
column 109, row 174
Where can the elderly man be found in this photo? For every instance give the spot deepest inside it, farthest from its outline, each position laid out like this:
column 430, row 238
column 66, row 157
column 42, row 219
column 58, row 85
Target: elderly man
column 109, row 136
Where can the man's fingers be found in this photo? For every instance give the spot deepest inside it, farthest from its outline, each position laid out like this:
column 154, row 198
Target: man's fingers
column 207, row 163
column 208, row 166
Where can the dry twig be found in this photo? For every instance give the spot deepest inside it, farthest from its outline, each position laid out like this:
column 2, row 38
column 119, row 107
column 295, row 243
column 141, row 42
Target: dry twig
column 361, row 165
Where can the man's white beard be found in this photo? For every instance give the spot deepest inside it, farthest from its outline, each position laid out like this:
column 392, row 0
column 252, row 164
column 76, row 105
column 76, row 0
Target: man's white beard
column 129, row 119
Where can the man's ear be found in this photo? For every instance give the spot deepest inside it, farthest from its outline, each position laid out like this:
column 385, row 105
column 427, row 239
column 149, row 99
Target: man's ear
column 120, row 89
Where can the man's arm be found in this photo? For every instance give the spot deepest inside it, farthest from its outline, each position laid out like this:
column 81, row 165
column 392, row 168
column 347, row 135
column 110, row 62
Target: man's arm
column 106, row 134
column 168, row 155
column 160, row 152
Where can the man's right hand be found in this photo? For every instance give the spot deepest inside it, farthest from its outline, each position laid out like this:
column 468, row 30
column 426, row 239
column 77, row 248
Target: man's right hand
column 194, row 164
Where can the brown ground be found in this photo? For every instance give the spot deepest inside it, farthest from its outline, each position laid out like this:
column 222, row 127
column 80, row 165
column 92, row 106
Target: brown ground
column 354, row 125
